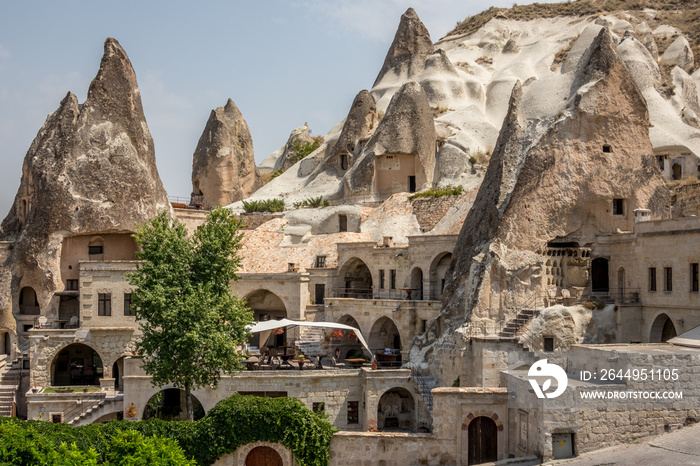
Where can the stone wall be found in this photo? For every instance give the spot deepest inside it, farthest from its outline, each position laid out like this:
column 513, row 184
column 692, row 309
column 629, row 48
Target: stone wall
column 384, row 449
column 686, row 200
column 429, row 211
column 253, row 220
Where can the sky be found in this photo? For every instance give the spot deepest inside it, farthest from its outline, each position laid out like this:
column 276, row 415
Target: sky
column 283, row 62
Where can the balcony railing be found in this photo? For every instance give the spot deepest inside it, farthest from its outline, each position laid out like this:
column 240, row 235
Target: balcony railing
column 626, row 296
column 403, row 294
column 44, row 323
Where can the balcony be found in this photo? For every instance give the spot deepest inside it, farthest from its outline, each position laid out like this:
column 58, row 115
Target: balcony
column 402, row 294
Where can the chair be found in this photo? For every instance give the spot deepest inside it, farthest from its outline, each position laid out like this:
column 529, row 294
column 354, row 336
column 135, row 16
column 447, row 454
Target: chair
column 73, row 322
column 336, row 364
column 42, row 321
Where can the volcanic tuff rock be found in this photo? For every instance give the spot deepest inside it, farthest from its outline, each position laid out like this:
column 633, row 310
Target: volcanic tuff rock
column 91, row 168
column 406, row 129
column 553, row 182
column 223, row 166
column 359, row 125
column 406, row 56
column 299, row 135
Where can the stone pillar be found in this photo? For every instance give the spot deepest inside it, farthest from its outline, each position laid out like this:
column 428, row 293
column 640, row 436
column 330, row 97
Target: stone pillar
column 106, row 384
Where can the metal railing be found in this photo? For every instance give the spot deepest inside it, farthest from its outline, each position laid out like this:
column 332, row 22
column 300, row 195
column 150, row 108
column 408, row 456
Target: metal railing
column 374, row 293
column 82, row 405
column 626, row 296
column 190, row 203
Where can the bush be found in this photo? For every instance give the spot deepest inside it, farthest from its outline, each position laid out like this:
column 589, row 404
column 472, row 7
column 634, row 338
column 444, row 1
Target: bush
column 434, row 193
column 235, row 421
column 313, row 202
column 266, row 205
column 302, row 149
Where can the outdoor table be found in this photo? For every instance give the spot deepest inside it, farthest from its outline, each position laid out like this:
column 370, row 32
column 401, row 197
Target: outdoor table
column 301, row 362
column 286, row 357
column 408, row 292
column 356, row 363
column 251, row 362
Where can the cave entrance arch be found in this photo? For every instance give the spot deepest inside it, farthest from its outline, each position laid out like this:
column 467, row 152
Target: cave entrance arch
column 438, row 272
column 76, row 364
column 600, row 282
column 396, row 411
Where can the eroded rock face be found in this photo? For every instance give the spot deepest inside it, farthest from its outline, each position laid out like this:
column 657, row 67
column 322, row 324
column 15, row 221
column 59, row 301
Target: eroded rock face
column 360, row 123
column 90, row 169
column 410, row 48
column 679, row 54
column 298, row 135
column 556, row 183
column 223, row 166
column 407, row 132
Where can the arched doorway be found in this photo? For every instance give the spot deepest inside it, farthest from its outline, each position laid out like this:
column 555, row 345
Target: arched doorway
column 385, row 336
column 677, row 171
column 417, row 283
column 266, row 305
column 438, row 274
column 263, row 456
column 348, row 347
column 599, row 275
column 76, row 364
column 662, row 329
column 396, row 411
column 118, row 373
column 28, row 302
column 170, row 405
column 357, row 280
column 483, row 440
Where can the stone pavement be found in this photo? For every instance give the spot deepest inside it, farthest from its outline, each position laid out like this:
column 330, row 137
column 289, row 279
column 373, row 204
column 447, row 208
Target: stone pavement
column 678, row 448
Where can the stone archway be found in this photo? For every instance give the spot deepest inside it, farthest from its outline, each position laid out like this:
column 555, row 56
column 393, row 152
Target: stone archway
column 266, row 305
column 384, row 334
column 396, row 411
column 169, row 405
column 357, row 280
column 76, row 364
column 347, row 346
column 28, row 302
column 416, row 284
column 263, row 456
column 240, row 456
column 662, row 329
column 438, row 273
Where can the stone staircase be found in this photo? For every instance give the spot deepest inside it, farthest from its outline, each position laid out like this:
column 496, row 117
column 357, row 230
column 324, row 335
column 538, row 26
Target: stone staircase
column 513, row 326
column 425, row 386
column 91, row 408
column 10, row 377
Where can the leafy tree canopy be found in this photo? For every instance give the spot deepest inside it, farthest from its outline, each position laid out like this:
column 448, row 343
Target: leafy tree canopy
column 191, row 323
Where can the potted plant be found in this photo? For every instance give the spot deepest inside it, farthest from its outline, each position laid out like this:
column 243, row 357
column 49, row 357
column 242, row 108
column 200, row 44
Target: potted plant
column 35, row 389
column 336, row 335
column 131, row 411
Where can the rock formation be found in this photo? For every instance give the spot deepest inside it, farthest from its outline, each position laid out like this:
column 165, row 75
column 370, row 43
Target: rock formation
column 679, row 54
column 288, row 155
column 223, row 166
column 551, row 184
column 407, row 134
column 90, row 169
column 405, row 59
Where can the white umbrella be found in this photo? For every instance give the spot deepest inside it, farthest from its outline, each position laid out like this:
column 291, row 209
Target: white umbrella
column 265, row 327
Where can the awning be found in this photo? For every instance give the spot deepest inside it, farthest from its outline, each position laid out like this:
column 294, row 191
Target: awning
column 267, row 326
column 690, row 338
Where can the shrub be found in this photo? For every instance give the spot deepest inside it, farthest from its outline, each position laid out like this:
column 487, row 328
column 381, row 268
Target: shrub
column 266, row 205
column 302, row 149
column 313, row 202
column 131, row 448
column 434, row 193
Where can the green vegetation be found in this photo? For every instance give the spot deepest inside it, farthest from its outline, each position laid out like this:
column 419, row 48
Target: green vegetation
column 680, row 14
column 302, row 149
column 191, row 323
column 313, row 202
column 688, row 181
column 434, row 193
column 233, row 422
column 72, row 389
column 266, row 205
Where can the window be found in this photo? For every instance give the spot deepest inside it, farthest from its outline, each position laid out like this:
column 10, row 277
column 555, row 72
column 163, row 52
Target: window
column 652, row 278
column 71, row 285
column 668, row 279
column 549, row 344
column 342, row 222
column 104, row 304
column 128, row 311
column 618, row 206
column 392, row 279
column 319, row 407
column 607, row 148
column 320, row 262
column 694, row 283
column 343, row 161
column 353, row 412
column 423, row 325
column 660, row 158
column 94, row 250
column 381, row 279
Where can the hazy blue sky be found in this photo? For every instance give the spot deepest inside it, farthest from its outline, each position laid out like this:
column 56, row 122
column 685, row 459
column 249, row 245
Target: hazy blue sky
column 283, row 63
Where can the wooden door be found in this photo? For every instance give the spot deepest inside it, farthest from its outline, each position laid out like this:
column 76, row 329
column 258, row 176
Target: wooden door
column 482, row 440
column 263, row 456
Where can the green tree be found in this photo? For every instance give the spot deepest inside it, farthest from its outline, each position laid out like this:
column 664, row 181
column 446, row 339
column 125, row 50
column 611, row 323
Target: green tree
column 191, row 323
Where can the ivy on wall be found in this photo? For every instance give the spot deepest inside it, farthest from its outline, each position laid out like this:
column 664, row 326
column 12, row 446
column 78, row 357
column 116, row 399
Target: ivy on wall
column 233, row 422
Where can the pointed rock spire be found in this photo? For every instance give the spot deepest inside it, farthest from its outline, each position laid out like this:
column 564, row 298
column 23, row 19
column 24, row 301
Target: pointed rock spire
column 223, row 165
column 410, row 49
